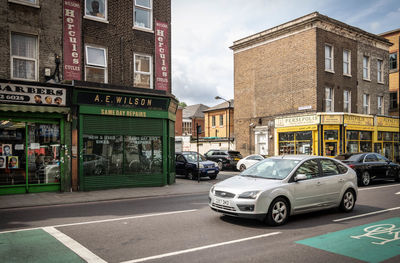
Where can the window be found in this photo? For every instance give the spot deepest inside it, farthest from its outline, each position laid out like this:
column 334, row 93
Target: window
column 295, row 142
column 346, row 62
column 143, row 14
column 393, row 101
column 380, row 105
column 96, row 9
column 143, row 72
column 393, row 61
column 358, row 141
column 380, row 70
column 96, row 64
column 365, row 103
column 328, row 57
column 346, row 101
column 221, row 120
column 187, row 127
column 33, row 3
column 329, row 167
column 24, row 58
column 213, row 121
column 309, row 168
column 366, row 68
column 329, row 100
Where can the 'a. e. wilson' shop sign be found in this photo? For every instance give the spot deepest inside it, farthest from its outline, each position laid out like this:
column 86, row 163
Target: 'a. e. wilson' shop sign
column 25, row 94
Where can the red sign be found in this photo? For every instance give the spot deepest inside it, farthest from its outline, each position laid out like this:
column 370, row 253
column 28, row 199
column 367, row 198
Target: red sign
column 72, row 40
column 162, row 56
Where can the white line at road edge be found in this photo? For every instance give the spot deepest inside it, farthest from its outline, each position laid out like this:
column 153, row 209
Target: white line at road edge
column 377, row 187
column 199, row 248
column 104, row 221
column 367, row 214
column 80, row 250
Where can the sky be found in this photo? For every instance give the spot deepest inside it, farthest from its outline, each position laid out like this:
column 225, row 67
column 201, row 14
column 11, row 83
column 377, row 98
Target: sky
column 203, row 31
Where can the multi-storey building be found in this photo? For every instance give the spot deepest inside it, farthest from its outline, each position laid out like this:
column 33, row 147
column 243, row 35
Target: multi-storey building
column 313, row 85
column 394, row 76
column 85, row 95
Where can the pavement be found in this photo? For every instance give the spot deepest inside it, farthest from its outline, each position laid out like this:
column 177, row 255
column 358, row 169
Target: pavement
column 181, row 187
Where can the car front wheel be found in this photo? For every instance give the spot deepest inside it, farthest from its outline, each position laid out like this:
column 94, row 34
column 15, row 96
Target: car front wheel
column 365, row 178
column 190, row 176
column 242, row 167
column 220, row 165
column 278, row 212
column 348, row 201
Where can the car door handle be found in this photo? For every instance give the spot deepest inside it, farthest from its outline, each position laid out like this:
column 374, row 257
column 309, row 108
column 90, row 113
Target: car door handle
column 341, row 180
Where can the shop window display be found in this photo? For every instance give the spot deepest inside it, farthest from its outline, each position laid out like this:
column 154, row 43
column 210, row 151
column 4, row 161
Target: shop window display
column 358, row 141
column 388, row 145
column 295, row 142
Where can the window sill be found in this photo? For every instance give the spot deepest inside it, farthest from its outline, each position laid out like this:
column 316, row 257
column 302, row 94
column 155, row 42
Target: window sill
column 347, row 75
column 382, row 83
column 32, row 80
column 24, row 3
column 143, row 29
column 97, row 19
column 369, row 80
column 330, row 71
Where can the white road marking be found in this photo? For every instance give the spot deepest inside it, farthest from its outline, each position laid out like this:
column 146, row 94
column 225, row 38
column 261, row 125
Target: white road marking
column 377, row 187
column 367, row 214
column 80, row 250
column 104, row 221
column 398, row 193
column 199, row 248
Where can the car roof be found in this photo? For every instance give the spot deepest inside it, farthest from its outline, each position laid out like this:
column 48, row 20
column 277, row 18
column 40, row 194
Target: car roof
column 299, row 157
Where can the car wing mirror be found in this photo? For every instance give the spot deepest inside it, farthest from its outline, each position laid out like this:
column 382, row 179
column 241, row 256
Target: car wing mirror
column 300, row 177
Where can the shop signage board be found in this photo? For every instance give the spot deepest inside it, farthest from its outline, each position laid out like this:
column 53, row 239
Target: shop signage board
column 358, row 120
column 297, row 121
column 162, row 56
column 27, row 94
column 388, row 122
column 375, row 242
column 331, row 119
column 72, row 40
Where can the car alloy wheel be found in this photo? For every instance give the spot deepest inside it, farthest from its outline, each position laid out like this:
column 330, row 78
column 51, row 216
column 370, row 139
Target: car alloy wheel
column 242, row 167
column 190, row 176
column 220, row 165
column 348, row 201
column 278, row 212
column 365, row 178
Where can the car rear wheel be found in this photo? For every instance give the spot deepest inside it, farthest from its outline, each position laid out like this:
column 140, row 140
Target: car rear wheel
column 220, row 165
column 242, row 167
column 212, row 177
column 191, row 176
column 348, row 201
column 278, row 212
column 365, row 178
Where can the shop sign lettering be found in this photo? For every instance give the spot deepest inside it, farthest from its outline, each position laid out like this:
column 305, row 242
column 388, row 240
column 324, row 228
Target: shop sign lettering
column 331, row 119
column 162, row 56
column 388, row 122
column 298, row 120
column 24, row 94
column 123, row 113
column 358, row 120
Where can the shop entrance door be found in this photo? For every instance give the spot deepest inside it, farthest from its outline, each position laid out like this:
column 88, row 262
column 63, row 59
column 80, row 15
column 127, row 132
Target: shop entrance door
column 331, row 142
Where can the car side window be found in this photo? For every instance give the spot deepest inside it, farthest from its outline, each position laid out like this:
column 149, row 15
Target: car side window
column 381, row 159
column 329, row 167
column 342, row 169
column 309, row 168
column 370, row 158
column 180, row 158
column 251, row 158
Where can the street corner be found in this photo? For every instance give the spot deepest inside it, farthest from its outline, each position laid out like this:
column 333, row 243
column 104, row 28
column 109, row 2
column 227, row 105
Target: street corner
column 374, row 242
column 34, row 246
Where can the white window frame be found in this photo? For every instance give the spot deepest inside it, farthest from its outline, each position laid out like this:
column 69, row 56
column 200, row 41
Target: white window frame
column 213, row 121
column 221, row 119
column 96, row 18
column 330, row 58
column 366, row 108
column 25, row 2
column 380, row 105
column 348, row 102
column 329, row 100
column 142, row 72
column 150, row 9
column 94, row 65
column 379, row 69
column 366, row 68
column 36, row 60
column 347, row 63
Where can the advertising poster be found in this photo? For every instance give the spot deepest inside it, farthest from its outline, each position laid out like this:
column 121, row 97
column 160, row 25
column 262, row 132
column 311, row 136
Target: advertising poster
column 2, row 162
column 7, row 149
column 12, row 162
column 162, row 56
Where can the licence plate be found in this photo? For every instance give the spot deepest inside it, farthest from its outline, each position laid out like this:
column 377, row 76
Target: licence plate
column 210, row 171
column 222, row 202
column 237, row 159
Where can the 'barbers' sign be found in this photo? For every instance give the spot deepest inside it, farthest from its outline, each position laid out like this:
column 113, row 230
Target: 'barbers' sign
column 25, row 94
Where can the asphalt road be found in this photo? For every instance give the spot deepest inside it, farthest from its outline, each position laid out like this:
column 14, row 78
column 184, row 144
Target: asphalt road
column 184, row 229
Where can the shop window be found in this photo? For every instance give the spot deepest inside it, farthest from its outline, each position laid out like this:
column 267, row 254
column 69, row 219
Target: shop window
column 365, row 103
column 295, row 142
column 328, row 57
column 143, row 14
column 346, row 62
column 358, row 141
column 346, row 101
column 24, row 58
column 330, row 135
column 143, row 71
column 329, row 100
column 393, row 61
column 366, row 68
column 380, row 71
column 142, row 154
column 96, row 64
column 96, row 9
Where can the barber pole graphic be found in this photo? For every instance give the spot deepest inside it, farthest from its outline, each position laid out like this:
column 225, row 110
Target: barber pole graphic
column 162, row 56
column 72, row 40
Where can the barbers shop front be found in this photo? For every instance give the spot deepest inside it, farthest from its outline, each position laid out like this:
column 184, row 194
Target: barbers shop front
column 125, row 140
column 33, row 130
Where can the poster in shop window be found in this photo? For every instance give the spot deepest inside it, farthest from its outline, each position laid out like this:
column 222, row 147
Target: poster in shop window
column 162, row 56
column 2, row 162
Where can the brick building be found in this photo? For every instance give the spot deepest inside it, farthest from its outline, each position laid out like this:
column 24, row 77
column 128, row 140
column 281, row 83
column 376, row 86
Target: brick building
column 394, row 76
column 300, row 88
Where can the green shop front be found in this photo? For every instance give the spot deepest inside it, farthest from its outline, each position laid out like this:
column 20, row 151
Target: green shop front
column 125, row 140
column 33, row 131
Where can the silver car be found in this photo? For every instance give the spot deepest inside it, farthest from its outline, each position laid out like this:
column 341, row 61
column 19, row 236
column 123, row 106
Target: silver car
column 278, row 187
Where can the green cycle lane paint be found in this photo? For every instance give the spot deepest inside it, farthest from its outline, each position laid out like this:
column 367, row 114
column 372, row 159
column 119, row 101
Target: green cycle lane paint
column 373, row 242
column 34, row 246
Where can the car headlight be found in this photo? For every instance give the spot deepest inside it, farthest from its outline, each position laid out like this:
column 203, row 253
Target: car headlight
column 212, row 189
column 249, row 195
column 201, row 165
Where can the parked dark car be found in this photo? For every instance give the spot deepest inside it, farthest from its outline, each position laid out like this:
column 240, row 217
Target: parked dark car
column 186, row 164
column 371, row 166
column 224, row 158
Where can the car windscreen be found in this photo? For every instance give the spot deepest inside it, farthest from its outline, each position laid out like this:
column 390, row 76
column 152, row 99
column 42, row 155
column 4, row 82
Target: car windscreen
column 354, row 158
column 192, row 157
column 277, row 169
column 235, row 154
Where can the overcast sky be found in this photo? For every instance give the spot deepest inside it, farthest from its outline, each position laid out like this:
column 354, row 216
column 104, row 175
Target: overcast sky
column 203, row 31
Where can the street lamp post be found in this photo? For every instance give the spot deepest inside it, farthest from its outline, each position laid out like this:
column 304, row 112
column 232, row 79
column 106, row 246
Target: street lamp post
column 229, row 119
